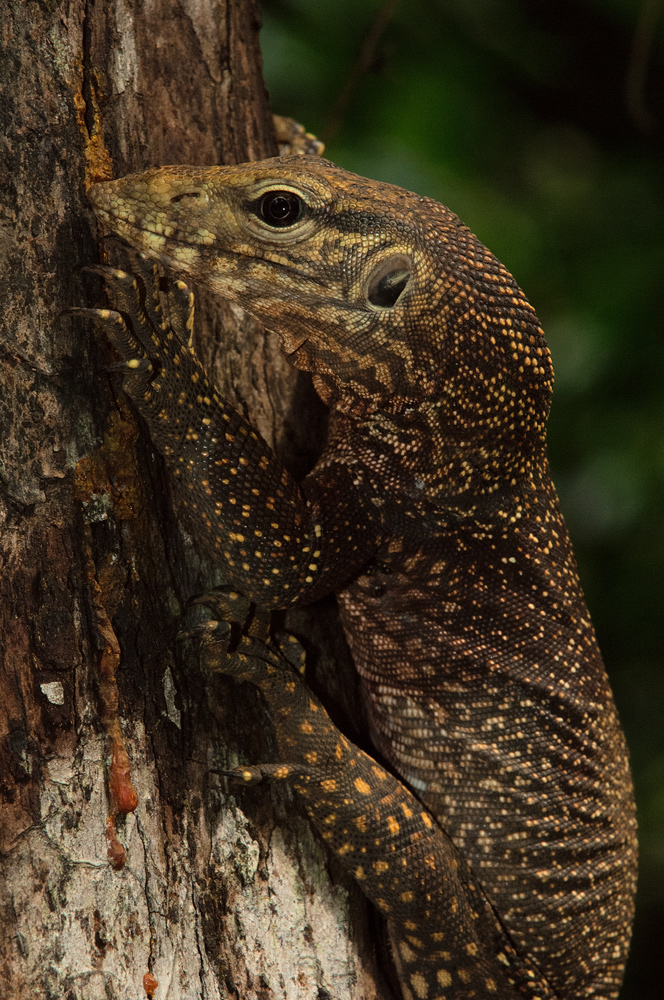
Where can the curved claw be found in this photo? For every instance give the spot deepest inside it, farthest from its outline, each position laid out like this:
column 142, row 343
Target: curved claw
column 86, row 312
column 249, row 775
column 106, row 272
column 253, row 774
column 136, row 362
column 181, row 308
column 292, row 651
column 113, row 322
column 138, row 366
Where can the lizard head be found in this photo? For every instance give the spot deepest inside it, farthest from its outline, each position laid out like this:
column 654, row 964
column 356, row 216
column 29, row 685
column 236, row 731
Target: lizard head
column 384, row 295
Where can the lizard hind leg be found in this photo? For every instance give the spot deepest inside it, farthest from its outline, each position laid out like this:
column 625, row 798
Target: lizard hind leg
column 447, row 942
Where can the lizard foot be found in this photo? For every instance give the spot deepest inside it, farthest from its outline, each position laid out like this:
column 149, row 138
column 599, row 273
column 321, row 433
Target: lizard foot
column 293, row 139
column 241, row 645
column 238, row 641
column 139, row 327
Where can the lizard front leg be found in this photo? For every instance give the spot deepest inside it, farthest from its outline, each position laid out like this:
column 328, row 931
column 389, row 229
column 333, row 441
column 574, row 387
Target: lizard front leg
column 280, row 544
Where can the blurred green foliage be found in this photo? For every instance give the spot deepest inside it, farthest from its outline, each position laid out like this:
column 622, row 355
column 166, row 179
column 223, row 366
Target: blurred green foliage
column 516, row 115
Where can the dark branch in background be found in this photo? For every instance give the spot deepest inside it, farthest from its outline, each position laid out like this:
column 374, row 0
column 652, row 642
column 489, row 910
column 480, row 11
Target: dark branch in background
column 362, row 65
column 635, row 79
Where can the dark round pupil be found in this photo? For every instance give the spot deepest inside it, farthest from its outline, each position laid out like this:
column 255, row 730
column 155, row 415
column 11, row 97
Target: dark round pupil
column 280, row 208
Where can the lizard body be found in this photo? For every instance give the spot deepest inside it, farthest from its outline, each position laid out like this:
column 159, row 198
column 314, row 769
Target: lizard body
column 432, row 515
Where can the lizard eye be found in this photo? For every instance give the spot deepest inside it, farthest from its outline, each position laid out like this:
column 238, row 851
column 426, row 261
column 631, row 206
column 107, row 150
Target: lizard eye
column 280, row 208
column 388, row 281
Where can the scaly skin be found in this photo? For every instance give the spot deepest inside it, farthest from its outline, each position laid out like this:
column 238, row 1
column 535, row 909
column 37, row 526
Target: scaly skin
column 432, row 516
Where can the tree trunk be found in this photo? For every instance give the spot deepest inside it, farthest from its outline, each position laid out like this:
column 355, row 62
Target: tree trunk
column 210, row 893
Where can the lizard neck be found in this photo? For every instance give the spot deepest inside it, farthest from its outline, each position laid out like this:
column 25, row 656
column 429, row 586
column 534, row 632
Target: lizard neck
column 426, row 453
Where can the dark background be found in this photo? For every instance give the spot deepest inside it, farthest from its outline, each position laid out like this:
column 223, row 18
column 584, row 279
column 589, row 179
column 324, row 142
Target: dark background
column 541, row 124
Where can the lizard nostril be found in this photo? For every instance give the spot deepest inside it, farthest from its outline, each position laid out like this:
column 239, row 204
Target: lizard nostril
column 192, row 198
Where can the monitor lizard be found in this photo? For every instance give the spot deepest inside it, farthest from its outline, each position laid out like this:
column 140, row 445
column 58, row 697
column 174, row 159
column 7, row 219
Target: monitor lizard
column 500, row 846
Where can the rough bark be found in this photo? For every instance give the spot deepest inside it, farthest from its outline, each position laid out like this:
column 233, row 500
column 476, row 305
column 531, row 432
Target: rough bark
column 219, row 895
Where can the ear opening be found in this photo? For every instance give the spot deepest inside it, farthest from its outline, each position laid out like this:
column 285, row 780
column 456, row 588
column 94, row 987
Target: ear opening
column 388, row 281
